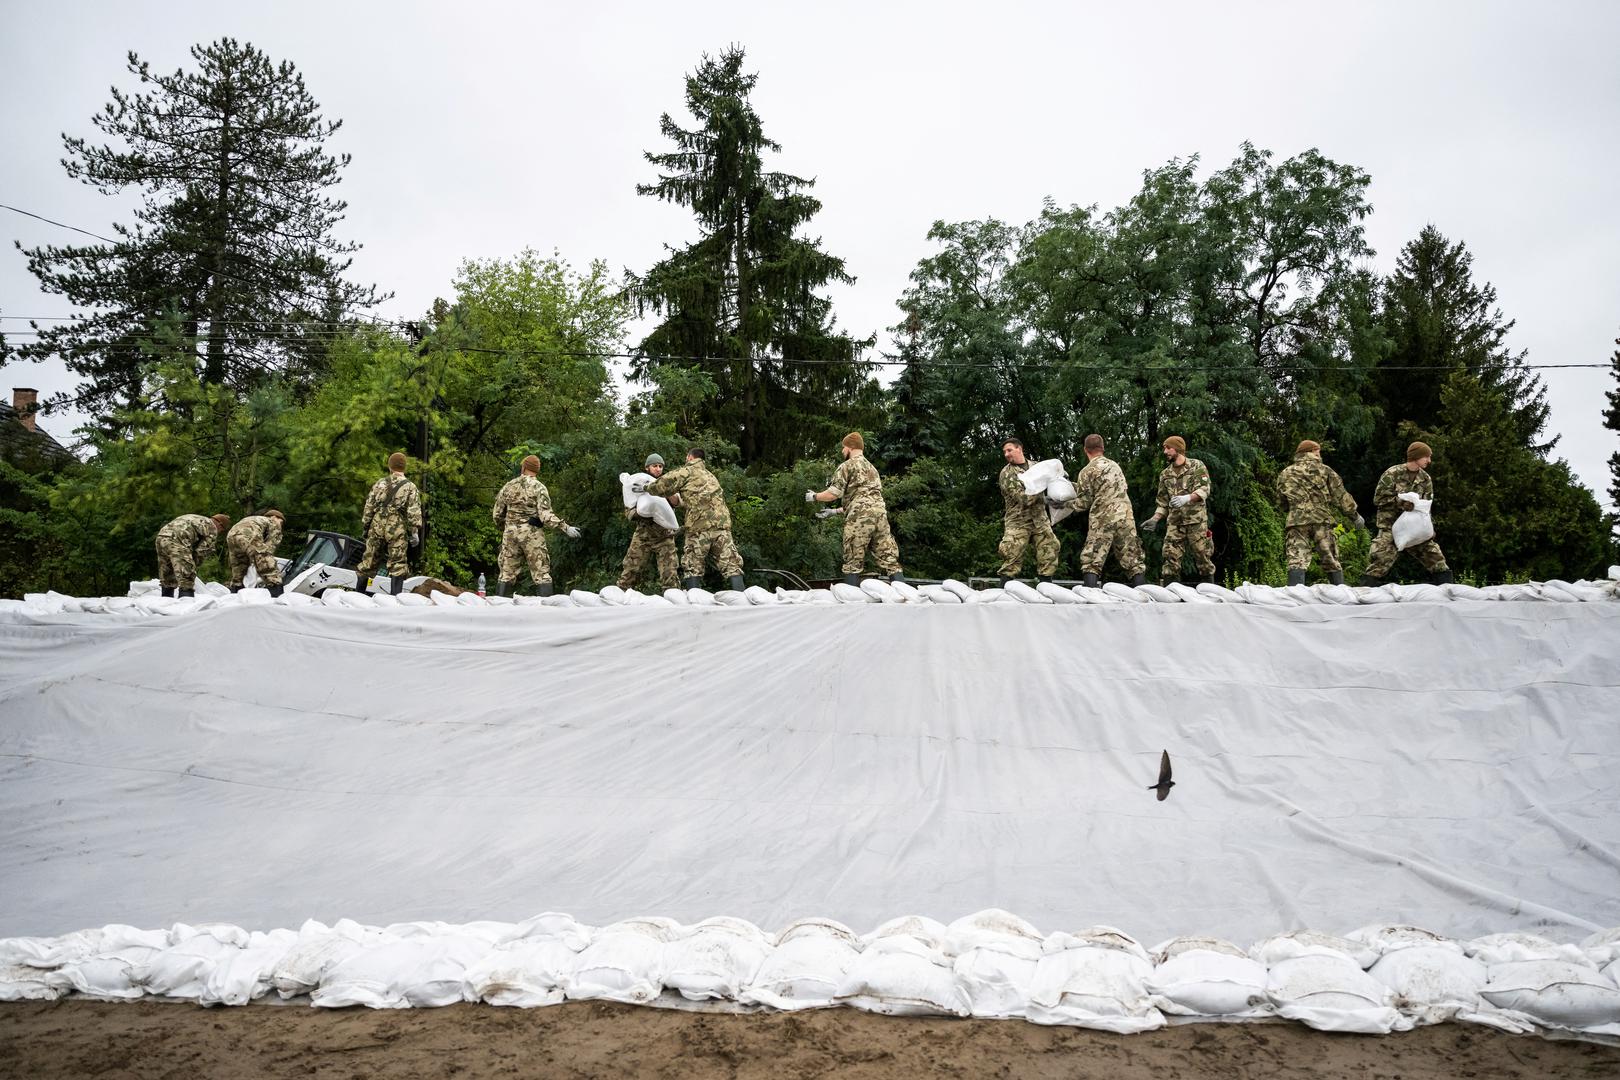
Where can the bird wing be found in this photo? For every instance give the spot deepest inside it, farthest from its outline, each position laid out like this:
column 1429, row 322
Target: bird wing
column 1164, row 766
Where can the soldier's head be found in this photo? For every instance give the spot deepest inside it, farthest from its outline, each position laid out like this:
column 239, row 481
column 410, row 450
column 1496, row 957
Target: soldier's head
column 221, row 522
column 694, row 453
column 531, row 466
column 1094, row 446
column 1012, row 451
column 1418, row 456
column 277, row 514
column 852, row 444
column 654, row 465
column 1175, row 448
column 1308, row 447
column 396, row 463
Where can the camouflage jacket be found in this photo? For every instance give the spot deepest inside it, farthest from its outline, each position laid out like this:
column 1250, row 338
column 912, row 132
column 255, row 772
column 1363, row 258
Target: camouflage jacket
column 1017, row 507
column 700, row 493
column 392, row 497
column 255, row 532
column 1100, row 488
column 1396, row 480
column 1188, row 478
column 195, row 531
column 524, row 497
column 857, row 482
column 1311, row 491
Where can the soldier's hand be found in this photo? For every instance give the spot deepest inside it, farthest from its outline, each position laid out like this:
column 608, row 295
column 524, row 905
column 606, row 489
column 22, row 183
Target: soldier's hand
column 809, row 496
column 573, row 533
column 640, row 486
column 1361, row 522
column 416, row 538
column 1408, row 497
column 1151, row 524
column 1180, row 500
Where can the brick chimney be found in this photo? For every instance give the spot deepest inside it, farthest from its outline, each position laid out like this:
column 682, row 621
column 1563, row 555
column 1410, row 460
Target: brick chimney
column 22, row 399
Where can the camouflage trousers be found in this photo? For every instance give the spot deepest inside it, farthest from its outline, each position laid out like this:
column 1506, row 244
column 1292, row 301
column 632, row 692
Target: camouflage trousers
column 1016, row 536
column 238, row 557
column 870, row 533
column 1299, row 540
column 390, row 539
column 1119, row 537
column 1195, row 539
column 177, row 562
column 703, row 546
column 524, row 545
column 1383, row 555
column 648, row 546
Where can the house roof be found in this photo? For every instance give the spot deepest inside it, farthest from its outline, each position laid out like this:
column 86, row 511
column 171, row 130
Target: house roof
column 18, row 441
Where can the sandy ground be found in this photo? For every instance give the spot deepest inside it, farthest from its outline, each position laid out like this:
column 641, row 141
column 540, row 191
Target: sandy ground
column 587, row 1040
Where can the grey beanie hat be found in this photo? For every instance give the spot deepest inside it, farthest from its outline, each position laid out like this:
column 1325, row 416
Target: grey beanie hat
column 653, row 459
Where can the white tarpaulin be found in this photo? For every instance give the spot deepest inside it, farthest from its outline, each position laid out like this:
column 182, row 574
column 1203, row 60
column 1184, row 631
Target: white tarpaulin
column 1451, row 765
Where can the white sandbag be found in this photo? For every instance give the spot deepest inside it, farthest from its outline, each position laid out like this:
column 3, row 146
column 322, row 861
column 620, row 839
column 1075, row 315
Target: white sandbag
column 1202, row 982
column 1603, row 947
column 24, row 982
column 849, row 594
column 995, row 955
column 524, row 973
column 657, row 507
column 1024, row 594
column 586, row 598
column 623, row 962
column 1190, row 595
column 928, row 932
column 1040, row 475
column 1385, row 938
column 1556, row 993
column 990, row 596
column 756, row 595
column 901, row 975
column 1078, row 981
column 107, row 971
column 1457, row 591
column 466, row 599
column 1422, row 593
column 142, row 588
column 1304, row 594
column 1582, row 593
column 182, row 970
column 417, row 600
column 1264, row 595
column 1431, row 983
column 939, row 594
column 613, row 595
column 806, row 967
column 421, row 972
column 731, row 598
column 1169, row 950
column 629, row 480
column 701, row 598
column 1158, row 593
column 1057, row 593
column 1296, row 943
column 1096, row 596
column 1414, row 526
column 821, row 596
column 1515, row 946
column 714, row 959
column 548, row 925
column 992, row 926
column 317, row 951
column 908, row 592
column 1120, row 591
column 880, row 590
column 1342, row 595
column 677, row 597
column 439, row 599
column 388, row 600
column 1331, row 993
column 1218, row 593
column 243, row 975
column 959, row 589
column 1061, row 490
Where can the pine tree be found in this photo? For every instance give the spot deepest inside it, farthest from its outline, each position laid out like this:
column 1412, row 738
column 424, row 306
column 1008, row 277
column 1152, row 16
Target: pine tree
column 743, row 300
column 1611, row 420
column 231, row 257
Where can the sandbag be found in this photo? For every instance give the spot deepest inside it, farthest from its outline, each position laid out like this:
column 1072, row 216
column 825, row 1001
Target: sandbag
column 959, row 589
column 1431, row 983
column 629, row 480
column 850, row 594
column 317, row 950
column 714, row 959
column 586, row 598
column 1057, row 593
column 908, row 592
column 1331, row 993
column 1040, row 475
column 757, row 595
column 1556, row 993
column 1203, row 982
column 623, row 962
column 1414, row 526
column 1121, row 591
column 243, row 975
column 524, row 973
column 613, row 595
column 657, row 507
column 995, row 957
column 1081, row 982
column 1024, row 594
column 1158, row 593
column 880, row 591
column 901, row 975
column 806, row 967
column 731, row 598
column 402, row 973
column 938, row 594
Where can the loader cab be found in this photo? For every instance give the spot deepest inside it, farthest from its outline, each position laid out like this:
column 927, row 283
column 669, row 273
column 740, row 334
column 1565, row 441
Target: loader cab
column 326, row 549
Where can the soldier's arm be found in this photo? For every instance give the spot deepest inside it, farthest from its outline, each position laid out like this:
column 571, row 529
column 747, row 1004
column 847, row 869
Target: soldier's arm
column 1201, row 485
column 274, row 534
column 543, row 511
column 1161, row 499
column 669, row 482
column 1281, row 486
column 413, row 508
column 1384, row 493
column 499, row 512
column 368, row 511
column 1337, row 492
column 1085, row 490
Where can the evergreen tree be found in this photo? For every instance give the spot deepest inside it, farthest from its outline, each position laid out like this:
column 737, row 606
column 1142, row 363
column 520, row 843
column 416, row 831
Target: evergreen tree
column 231, row 252
column 1611, row 420
column 743, row 300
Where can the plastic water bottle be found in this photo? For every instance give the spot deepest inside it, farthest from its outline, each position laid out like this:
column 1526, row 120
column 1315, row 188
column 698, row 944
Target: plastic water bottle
column 480, row 584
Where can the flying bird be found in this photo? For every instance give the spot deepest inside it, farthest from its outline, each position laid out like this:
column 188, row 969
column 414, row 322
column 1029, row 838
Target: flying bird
column 1165, row 783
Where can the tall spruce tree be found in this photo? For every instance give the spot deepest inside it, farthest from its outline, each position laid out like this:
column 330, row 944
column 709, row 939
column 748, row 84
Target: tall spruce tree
column 231, row 257
column 1611, row 420
column 743, row 300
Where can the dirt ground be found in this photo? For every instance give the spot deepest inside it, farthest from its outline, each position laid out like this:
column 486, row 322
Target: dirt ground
column 585, row 1040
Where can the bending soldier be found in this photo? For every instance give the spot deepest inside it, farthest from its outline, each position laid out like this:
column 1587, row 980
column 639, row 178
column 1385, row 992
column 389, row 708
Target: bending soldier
column 523, row 510
column 649, row 541
column 1023, row 521
column 1100, row 488
column 391, row 523
column 708, row 521
column 253, row 542
column 1397, row 489
column 866, row 518
column 181, row 545
column 1311, row 492
column 1183, row 498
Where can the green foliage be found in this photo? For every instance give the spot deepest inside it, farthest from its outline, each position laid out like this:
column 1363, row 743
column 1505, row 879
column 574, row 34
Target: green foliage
column 1258, row 553
column 1611, row 420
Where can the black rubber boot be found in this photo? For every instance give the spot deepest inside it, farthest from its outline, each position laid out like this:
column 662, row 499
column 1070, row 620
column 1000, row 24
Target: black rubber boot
column 691, row 583
column 1337, row 577
column 1296, row 577
column 897, row 576
column 1206, row 579
column 543, row 589
column 1369, row 582
column 737, row 583
column 1442, row 577
column 275, row 590
column 166, row 590
column 1001, row 582
column 185, row 592
column 1090, row 582
column 234, row 588
column 852, row 579
column 396, row 585
column 1138, row 580
column 504, row 588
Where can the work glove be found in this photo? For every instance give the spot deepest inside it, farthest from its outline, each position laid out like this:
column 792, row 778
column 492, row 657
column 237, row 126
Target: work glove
column 1180, row 500
column 810, row 496
column 1408, row 497
column 416, row 538
column 533, row 523
column 831, row 511
column 1361, row 522
column 1151, row 524
column 572, row 532
column 640, row 486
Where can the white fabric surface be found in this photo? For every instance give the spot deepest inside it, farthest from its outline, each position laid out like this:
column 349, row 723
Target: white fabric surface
column 1450, row 765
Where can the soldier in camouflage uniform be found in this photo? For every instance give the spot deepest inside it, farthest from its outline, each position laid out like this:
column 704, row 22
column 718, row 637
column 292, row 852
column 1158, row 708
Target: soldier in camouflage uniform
column 708, row 521
column 1311, row 492
column 181, row 545
column 1100, row 488
column 253, row 542
column 1023, row 521
column 1396, row 488
column 649, row 541
column 523, row 511
column 866, row 518
column 1183, row 498
column 391, row 523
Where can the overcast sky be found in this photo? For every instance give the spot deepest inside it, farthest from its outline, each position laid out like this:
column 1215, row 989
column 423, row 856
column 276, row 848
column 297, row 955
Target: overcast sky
column 480, row 129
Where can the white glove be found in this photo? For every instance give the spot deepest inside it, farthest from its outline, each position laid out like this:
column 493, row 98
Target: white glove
column 572, row 532
column 1410, row 497
column 416, row 538
column 831, row 511
column 809, row 496
column 1361, row 522
column 1151, row 523
column 1180, row 500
